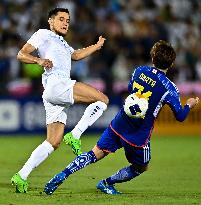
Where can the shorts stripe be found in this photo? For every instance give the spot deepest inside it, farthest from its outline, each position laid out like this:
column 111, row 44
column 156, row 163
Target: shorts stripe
column 146, row 153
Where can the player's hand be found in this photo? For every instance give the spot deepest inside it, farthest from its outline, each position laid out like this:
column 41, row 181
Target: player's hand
column 192, row 102
column 100, row 42
column 46, row 63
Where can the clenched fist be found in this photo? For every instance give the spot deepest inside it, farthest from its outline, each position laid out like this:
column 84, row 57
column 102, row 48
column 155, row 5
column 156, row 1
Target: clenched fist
column 192, row 102
column 46, row 63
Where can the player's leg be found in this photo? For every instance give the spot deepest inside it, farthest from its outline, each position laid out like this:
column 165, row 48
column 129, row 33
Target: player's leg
column 123, row 175
column 126, row 174
column 19, row 180
column 55, row 119
column 139, row 159
column 84, row 160
column 83, row 93
column 104, row 146
column 78, row 163
column 54, row 137
column 55, row 133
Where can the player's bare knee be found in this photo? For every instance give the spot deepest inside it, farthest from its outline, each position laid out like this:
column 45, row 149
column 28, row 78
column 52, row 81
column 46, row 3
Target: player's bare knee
column 99, row 153
column 105, row 99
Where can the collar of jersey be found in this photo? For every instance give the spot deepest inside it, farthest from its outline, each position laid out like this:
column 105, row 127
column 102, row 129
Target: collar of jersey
column 159, row 71
column 56, row 35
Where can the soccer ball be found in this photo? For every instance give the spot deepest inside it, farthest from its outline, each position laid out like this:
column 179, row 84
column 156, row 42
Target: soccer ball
column 136, row 106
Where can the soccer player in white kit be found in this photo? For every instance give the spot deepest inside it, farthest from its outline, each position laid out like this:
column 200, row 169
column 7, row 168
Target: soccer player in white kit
column 59, row 90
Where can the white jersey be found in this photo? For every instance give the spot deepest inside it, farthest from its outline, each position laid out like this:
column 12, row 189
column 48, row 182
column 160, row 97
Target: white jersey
column 53, row 47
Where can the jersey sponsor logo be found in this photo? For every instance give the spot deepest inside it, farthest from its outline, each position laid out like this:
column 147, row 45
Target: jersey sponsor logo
column 147, row 79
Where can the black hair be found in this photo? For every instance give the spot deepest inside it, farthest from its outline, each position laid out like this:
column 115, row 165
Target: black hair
column 54, row 11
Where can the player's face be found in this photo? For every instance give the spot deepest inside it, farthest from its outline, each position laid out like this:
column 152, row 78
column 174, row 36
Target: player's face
column 60, row 23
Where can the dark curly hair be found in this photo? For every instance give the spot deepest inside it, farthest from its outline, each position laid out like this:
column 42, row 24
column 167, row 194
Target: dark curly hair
column 163, row 55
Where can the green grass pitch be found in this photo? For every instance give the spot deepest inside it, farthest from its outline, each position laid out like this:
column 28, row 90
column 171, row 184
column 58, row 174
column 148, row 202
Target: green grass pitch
column 174, row 176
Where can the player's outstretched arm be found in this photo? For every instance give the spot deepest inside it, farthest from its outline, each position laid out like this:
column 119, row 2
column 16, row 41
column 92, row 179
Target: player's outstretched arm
column 84, row 52
column 182, row 113
column 24, row 55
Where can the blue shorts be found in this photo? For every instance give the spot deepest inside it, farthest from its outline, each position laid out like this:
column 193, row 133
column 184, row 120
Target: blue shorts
column 110, row 142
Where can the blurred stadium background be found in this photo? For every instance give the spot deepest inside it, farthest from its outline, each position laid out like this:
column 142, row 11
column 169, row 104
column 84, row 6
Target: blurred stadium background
column 131, row 27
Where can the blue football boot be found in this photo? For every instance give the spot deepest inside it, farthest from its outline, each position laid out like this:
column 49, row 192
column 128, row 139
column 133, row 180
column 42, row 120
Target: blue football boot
column 53, row 184
column 107, row 189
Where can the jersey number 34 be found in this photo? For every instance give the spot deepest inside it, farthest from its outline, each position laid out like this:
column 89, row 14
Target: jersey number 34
column 140, row 89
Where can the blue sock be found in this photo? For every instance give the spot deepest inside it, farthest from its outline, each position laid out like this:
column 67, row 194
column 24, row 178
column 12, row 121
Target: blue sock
column 123, row 175
column 80, row 162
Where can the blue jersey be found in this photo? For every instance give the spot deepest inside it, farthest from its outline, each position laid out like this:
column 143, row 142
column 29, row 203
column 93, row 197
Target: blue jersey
column 159, row 90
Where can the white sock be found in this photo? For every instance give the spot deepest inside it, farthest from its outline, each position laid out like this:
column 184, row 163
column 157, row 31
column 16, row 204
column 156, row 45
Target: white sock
column 36, row 158
column 91, row 114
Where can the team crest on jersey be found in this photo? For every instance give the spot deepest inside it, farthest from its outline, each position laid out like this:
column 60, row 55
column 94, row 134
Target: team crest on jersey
column 154, row 71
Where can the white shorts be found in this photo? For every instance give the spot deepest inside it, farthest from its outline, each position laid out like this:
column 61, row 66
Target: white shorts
column 57, row 97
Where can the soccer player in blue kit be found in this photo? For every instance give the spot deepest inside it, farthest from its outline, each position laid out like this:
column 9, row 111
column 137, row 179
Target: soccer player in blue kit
column 133, row 134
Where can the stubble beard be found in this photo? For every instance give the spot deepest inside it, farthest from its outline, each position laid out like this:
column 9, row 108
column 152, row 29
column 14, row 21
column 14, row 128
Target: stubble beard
column 59, row 33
